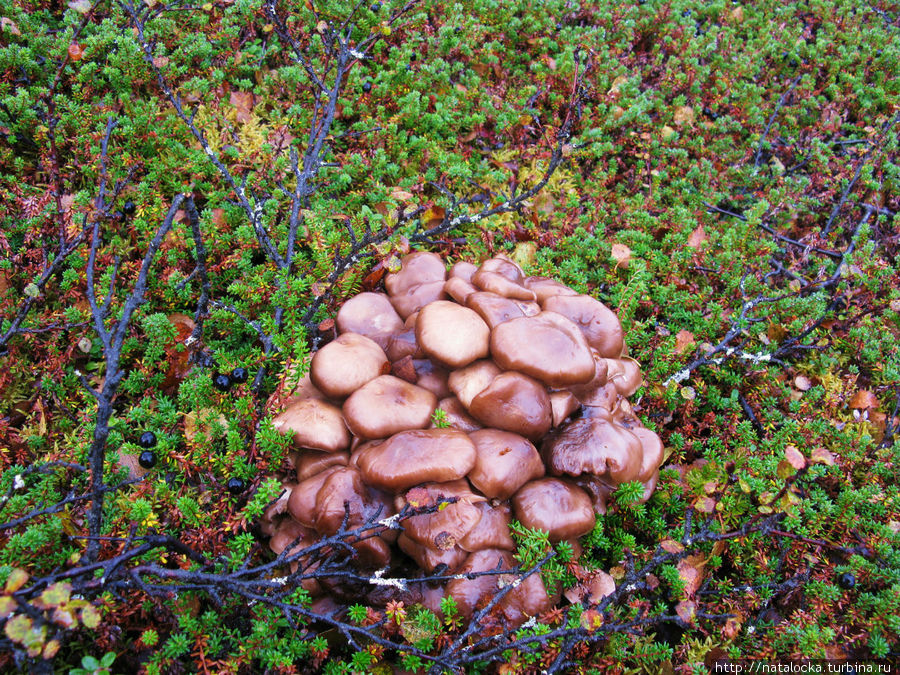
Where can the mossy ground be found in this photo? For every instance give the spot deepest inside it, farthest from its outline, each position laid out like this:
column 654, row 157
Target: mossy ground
column 729, row 188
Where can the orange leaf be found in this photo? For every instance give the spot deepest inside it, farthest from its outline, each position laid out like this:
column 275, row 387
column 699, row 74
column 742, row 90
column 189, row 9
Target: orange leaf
column 697, row 238
column 864, row 399
column 76, row 51
column 683, row 340
column 794, row 457
column 621, row 254
column 243, row 102
column 822, row 456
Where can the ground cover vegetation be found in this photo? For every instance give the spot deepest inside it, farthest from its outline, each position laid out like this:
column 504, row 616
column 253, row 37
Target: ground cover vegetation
column 189, row 191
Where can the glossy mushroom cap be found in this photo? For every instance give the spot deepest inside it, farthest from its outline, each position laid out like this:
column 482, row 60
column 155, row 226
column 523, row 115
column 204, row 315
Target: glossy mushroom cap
column 413, row 457
column 561, row 509
column 452, row 334
column 492, row 531
column 504, row 462
column 459, row 289
column 514, row 402
column 369, row 314
column 470, row 381
column 456, row 415
column 446, row 527
column 625, row 374
column 548, row 347
column 600, row 325
column 386, row 405
column 545, row 287
column 344, row 365
column 308, row 463
column 597, row 446
column 496, row 309
column 302, row 502
column 314, row 424
column 415, row 268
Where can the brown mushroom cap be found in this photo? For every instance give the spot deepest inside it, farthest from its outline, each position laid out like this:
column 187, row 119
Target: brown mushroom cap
column 495, row 309
column 463, row 270
column 345, row 486
column 470, row 381
column 469, row 593
column 417, row 297
column 429, row 558
column 561, row 509
column 514, row 402
column 402, row 344
column 547, row 347
column 413, row 457
column 504, row 462
column 459, row 289
column 562, row 404
column 492, row 531
column 308, row 463
column 432, row 377
column 625, row 374
column 445, row 528
column 594, row 392
column 386, row 405
column 369, row 314
column 302, row 502
column 594, row 445
column 456, row 415
column 500, row 284
column 452, row 334
column 545, row 287
column 344, row 365
column 314, row 424
column 598, row 322
column 416, row 268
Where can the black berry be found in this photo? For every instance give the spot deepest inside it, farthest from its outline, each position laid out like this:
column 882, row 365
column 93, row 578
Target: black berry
column 846, row 581
column 375, row 7
column 118, row 216
column 129, row 208
column 205, row 360
column 367, row 87
column 147, row 439
column 147, row 459
column 235, row 486
column 222, row 382
column 239, row 374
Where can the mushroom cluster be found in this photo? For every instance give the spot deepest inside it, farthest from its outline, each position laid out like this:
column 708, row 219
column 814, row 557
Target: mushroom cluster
column 504, row 393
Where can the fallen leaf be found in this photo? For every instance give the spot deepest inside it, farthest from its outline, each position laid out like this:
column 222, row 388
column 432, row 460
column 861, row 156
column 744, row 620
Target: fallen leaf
column 864, row 399
column 684, row 115
column 616, row 84
column 683, row 340
column 671, row 546
column 80, row 6
column 600, row 586
column 794, row 457
column 697, row 238
column 822, row 456
column 76, row 51
column 690, row 570
column 16, row 580
column 401, row 195
column 8, row 25
column 621, row 254
column 243, row 103
column 686, row 609
column 160, row 61
column 667, row 132
column 802, row 383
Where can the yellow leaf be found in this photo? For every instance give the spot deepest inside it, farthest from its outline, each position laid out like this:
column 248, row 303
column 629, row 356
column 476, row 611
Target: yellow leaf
column 16, row 580
column 90, row 617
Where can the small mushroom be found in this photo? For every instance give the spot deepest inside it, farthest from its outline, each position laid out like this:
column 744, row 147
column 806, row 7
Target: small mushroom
column 344, row 365
column 548, row 347
column 416, row 268
column 446, row 527
column 452, row 334
column 369, row 314
column 600, row 325
column 468, row 382
column 308, row 463
column 429, row 558
column 503, row 278
column 495, row 309
column 302, row 502
column 417, row 297
column 463, row 270
column 504, row 462
column 594, row 445
column 560, row 508
column 456, row 415
column 514, row 402
column 432, row 377
column 625, row 374
column 594, row 392
column 491, row 531
column 314, row 424
column 458, row 289
column 545, row 287
column 562, row 404
column 413, row 457
column 386, row 405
